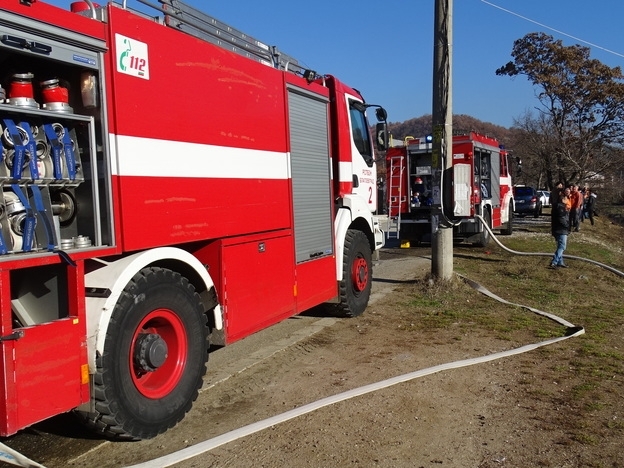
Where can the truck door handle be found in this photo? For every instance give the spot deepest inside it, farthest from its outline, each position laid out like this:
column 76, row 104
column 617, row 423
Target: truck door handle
column 13, row 41
column 21, row 43
column 16, row 335
column 40, row 48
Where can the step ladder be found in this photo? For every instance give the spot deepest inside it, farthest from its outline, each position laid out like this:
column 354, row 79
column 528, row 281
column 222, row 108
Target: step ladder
column 192, row 21
column 396, row 197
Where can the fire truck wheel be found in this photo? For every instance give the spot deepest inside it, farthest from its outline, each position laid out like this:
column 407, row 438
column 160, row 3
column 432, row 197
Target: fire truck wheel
column 357, row 276
column 154, row 357
column 508, row 229
column 484, row 235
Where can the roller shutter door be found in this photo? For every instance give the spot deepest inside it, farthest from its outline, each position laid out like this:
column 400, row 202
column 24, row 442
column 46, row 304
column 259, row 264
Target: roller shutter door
column 310, row 171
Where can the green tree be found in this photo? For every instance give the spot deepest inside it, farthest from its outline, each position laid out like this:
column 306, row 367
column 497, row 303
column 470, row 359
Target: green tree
column 581, row 111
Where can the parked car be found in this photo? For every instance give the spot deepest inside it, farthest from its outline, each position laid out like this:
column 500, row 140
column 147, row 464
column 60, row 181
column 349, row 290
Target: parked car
column 544, row 196
column 527, row 201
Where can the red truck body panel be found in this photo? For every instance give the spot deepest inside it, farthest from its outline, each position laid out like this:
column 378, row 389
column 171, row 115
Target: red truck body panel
column 186, row 145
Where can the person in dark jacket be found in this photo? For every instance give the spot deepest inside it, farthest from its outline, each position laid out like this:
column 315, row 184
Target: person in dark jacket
column 590, row 205
column 556, row 193
column 560, row 228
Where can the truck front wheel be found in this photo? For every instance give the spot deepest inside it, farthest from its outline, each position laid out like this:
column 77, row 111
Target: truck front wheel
column 154, row 357
column 357, row 275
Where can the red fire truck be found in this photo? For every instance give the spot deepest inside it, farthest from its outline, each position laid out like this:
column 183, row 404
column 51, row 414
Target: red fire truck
column 167, row 181
column 480, row 185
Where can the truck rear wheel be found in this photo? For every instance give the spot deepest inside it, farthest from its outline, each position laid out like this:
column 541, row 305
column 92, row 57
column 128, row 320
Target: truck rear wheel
column 508, row 229
column 357, row 275
column 154, row 357
column 484, row 235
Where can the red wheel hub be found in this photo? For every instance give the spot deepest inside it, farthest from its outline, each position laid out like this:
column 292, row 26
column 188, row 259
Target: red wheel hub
column 359, row 274
column 158, row 353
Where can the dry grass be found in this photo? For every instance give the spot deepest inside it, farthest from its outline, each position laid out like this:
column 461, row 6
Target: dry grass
column 591, row 366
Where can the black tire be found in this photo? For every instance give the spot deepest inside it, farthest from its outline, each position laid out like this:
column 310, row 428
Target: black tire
column 508, row 229
column 357, row 275
column 154, row 357
column 484, row 235
column 538, row 211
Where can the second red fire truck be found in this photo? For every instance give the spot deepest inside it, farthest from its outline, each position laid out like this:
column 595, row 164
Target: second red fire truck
column 160, row 190
column 481, row 185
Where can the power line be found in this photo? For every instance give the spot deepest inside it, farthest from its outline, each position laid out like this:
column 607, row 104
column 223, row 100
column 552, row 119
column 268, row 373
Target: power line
column 553, row 29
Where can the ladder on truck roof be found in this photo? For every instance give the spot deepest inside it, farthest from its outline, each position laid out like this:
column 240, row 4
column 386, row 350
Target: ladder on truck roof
column 192, row 21
column 395, row 197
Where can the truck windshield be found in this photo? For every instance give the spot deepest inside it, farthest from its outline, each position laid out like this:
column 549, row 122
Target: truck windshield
column 361, row 135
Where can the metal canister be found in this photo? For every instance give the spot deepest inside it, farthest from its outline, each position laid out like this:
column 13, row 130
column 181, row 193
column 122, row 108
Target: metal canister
column 55, row 96
column 21, row 91
column 81, row 242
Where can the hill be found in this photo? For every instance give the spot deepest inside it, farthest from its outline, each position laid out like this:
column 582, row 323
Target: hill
column 421, row 126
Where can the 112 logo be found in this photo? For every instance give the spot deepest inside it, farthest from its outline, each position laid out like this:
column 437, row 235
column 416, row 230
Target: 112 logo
column 132, row 57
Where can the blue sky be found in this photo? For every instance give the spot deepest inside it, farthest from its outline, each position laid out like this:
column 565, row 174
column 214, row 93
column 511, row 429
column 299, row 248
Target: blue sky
column 385, row 48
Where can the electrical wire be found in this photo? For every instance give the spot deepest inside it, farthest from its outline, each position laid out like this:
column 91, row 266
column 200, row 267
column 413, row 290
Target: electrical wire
column 552, row 29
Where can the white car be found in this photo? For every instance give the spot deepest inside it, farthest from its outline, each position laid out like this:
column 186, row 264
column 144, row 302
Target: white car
column 544, row 196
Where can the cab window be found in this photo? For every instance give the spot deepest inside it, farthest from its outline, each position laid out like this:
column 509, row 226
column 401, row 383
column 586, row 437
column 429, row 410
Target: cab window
column 361, row 136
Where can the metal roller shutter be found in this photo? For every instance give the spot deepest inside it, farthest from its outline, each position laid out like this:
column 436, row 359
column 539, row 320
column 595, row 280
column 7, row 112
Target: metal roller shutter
column 310, row 171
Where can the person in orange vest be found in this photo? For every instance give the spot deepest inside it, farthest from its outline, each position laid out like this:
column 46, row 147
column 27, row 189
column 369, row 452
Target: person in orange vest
column 576, row 200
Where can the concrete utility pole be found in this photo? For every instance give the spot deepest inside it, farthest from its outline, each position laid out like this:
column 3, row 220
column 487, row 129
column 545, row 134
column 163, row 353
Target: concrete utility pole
column 442, row 150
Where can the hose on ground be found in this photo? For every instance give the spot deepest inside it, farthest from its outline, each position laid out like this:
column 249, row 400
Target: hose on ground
column 210, row 444
column 545, row 254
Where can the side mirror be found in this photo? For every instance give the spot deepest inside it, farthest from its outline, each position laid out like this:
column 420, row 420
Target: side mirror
column 381, row 114
column 381, row 137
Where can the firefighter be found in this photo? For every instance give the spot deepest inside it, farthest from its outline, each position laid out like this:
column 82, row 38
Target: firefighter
column 424, row 195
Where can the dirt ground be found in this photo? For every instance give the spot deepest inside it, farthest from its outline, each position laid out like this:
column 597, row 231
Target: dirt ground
column 504, row 413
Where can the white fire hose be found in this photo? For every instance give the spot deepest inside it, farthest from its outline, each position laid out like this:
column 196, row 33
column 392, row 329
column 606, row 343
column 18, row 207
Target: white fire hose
column 202, row 447
column 13, row 457
column 544, row 254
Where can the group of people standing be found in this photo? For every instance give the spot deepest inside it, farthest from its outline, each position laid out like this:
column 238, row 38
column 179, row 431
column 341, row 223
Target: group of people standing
column 570, row 206
column 583, row 205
